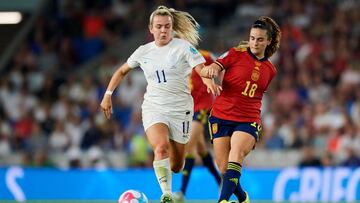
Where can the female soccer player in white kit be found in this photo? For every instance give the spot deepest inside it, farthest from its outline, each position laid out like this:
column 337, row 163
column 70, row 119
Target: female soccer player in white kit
column 167, row 109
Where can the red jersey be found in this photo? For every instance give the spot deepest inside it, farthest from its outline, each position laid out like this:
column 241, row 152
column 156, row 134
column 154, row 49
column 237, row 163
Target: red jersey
column 245, row 81
column 202, row 99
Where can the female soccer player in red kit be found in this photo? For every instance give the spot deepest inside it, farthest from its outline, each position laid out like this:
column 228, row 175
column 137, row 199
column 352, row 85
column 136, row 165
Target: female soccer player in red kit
column 235, row 121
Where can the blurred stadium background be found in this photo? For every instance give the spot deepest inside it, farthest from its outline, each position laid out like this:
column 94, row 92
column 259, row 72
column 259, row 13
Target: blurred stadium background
column 57, row 56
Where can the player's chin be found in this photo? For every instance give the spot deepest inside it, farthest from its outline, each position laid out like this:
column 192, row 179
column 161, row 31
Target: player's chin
column 164, row 40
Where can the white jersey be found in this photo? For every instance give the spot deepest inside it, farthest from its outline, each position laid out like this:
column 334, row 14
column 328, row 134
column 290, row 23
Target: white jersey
column 167, row 70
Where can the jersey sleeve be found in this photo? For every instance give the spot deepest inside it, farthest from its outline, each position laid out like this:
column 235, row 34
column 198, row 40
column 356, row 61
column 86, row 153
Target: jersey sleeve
column 193, row 56
column 225, row 60
column 133, row 60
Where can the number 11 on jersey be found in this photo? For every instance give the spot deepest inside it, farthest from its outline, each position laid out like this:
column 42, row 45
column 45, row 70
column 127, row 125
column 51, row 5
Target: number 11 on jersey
column 161, row 76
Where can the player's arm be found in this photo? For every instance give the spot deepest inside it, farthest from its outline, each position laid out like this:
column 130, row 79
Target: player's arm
column 220, row 77
column 120, row 73
column 209, row 82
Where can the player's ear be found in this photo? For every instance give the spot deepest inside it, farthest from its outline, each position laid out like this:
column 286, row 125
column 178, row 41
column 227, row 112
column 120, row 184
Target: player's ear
column 150, row 28
column 269, row 42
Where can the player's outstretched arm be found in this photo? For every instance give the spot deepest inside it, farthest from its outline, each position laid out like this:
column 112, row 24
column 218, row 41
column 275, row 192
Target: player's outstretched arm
column 106, row 104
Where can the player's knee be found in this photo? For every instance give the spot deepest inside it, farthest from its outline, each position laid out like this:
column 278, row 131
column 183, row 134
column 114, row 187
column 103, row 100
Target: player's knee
column 222, row 169
column 222, row 166
column 241, row 155
column 162, row 149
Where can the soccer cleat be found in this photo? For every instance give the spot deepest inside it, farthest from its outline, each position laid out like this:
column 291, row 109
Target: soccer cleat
column 247, row 199
column 179, row 197
column 166, row 198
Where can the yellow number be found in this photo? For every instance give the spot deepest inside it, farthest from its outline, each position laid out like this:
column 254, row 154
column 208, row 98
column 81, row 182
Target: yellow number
column 252, row 90
column 246, row 88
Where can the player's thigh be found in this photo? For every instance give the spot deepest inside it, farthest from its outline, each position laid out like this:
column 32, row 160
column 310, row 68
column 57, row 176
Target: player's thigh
column 221, row 152
column 156, row 127
column 241, row 144
column 158, row 134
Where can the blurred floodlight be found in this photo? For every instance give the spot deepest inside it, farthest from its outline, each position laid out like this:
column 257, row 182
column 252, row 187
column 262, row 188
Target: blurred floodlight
column 10, row 17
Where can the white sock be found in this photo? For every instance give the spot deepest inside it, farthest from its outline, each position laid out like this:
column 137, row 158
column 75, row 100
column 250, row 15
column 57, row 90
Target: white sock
column 163, row 174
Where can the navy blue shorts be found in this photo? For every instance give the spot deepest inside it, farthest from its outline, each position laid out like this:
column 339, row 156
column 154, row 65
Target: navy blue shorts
column 222, row 128
column 201, row 116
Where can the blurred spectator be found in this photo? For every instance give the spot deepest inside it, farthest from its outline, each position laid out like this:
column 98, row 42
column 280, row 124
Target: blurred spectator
column 59, row 141
column 309, row 158
column 140, row 152
column 327, row 160
column 97, row 158
column 92, row 136
column 41, row 159
column 352, row 159
column 23, row 130
column 38, row 140
column 5, row 148
column 74, row 157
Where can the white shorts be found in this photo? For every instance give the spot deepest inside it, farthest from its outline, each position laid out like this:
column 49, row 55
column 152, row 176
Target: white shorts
column 179, row 124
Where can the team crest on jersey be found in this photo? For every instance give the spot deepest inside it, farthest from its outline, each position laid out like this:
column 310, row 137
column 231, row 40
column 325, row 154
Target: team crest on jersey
column 193, row 50
column 255, row 74
column 214, row 128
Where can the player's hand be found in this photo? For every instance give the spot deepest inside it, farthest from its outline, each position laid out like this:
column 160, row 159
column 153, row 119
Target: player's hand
column 212, row 87
column 209, row 71
column 106, row 106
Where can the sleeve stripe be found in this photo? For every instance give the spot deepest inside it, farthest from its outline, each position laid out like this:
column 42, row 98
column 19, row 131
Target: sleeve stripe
column 219, row 64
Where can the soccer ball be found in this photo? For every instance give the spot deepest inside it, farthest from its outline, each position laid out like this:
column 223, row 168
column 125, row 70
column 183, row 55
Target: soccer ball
column 133, row 196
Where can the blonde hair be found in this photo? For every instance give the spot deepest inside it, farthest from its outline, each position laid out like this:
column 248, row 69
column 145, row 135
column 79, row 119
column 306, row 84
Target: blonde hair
column 184, row 25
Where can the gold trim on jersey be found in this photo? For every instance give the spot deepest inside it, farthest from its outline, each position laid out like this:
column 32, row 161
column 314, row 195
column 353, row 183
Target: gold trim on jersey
column 219, row 64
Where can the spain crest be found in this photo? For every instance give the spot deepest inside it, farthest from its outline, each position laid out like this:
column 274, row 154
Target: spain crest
column 255, row 75
column 214, row 128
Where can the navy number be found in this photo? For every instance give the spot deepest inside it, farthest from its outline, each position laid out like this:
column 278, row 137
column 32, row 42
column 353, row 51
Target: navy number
column 186, row 126
column 162, row 73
